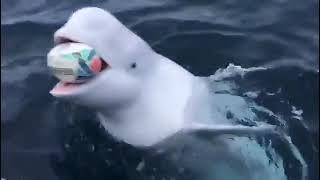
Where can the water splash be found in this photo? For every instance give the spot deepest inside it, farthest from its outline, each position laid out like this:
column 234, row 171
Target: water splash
column 244, row 110
column 305, row 65
column 232, row 71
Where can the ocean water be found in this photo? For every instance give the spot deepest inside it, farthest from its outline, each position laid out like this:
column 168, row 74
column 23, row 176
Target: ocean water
column 261, row 57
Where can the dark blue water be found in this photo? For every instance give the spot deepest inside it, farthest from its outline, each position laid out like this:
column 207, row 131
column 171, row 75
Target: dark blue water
column 42, row 138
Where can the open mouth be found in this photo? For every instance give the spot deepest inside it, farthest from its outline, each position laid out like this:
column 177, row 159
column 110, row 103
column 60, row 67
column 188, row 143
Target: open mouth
column 97, row 65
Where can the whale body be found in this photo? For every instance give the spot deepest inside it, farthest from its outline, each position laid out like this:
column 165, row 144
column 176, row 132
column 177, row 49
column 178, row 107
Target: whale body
column 142, row 98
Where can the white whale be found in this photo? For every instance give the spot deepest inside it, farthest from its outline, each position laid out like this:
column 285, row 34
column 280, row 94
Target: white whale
column 143, row 97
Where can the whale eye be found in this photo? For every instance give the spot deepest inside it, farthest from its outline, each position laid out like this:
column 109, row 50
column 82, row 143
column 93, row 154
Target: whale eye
column 133, row 65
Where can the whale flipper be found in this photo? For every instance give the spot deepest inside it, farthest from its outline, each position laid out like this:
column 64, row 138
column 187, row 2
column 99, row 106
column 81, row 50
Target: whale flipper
column 231, row 129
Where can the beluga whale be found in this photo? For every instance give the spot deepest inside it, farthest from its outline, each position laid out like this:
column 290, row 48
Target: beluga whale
column 141, row 97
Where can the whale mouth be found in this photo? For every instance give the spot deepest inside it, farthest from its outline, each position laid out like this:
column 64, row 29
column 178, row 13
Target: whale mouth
column 68, row 88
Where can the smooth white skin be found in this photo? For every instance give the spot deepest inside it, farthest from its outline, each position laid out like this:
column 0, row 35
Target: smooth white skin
column 141, row 105
column 144, row 105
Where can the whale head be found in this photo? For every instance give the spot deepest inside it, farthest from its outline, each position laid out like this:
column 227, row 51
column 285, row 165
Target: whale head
column 141, row 96
column 128, row 59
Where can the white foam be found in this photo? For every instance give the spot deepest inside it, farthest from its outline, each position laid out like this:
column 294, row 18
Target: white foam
column 297, row 114
column 298, row 156
column 270, row 93
column 305, row 65
column 232, row 71
column 252, row 94
column 140, row 166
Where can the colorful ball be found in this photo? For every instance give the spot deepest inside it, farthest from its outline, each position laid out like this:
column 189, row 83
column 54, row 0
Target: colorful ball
column 74, row 62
